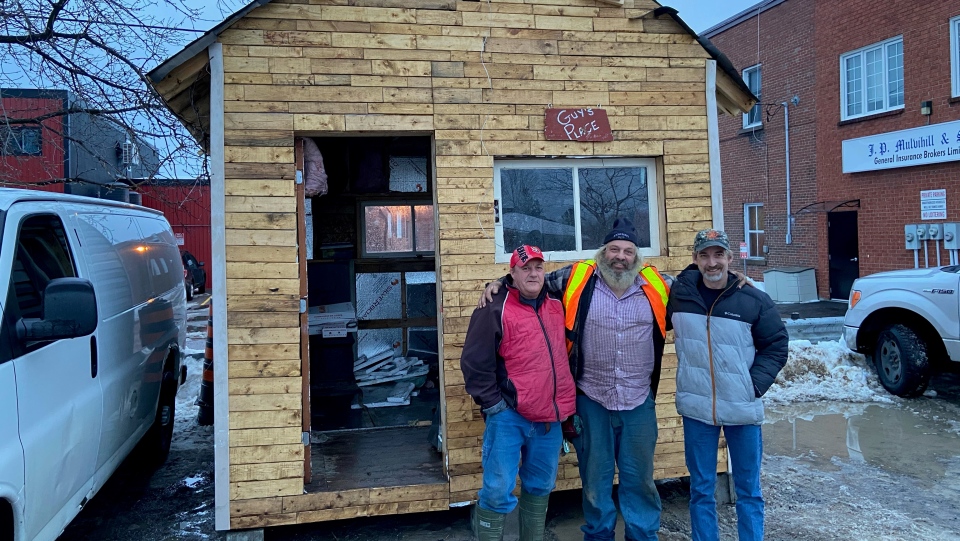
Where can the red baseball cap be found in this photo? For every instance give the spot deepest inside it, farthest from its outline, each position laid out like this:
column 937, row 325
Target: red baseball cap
column 525, row 253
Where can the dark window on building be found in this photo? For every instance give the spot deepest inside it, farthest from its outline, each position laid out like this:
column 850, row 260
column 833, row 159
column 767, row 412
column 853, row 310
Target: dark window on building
column 20, row 140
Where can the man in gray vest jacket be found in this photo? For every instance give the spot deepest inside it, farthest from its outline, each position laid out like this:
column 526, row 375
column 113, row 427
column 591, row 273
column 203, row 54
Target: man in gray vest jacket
column 731, row 344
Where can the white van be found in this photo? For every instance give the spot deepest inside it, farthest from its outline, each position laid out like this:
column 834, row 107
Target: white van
column 94, row 322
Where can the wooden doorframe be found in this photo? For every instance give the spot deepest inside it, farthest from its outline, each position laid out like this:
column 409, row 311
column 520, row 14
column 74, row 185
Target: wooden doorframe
column 304, row 323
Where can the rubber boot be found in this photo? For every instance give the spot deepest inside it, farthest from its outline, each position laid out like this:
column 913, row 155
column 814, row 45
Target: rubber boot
column 487, row 525
column 533, row 516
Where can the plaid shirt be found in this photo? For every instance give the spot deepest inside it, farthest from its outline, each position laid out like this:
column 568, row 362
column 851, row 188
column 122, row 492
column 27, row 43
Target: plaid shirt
column 618, row 347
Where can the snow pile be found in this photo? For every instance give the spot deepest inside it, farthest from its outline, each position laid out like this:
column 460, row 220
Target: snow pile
column 826, row 371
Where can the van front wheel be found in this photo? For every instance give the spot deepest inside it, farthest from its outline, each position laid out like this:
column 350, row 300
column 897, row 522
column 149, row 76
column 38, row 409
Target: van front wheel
column 902, row 361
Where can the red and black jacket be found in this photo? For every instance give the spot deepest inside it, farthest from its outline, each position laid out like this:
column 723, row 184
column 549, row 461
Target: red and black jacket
column 515, row 351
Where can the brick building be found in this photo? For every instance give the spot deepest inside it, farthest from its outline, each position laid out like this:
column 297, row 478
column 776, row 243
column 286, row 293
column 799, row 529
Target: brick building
column 852, row 79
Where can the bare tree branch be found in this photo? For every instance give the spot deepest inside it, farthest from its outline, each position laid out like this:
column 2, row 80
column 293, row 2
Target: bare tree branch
column 99, row 51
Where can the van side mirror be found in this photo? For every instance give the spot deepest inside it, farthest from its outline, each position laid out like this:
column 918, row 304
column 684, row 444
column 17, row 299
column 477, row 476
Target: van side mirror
column 69, row 310
column 200, row 263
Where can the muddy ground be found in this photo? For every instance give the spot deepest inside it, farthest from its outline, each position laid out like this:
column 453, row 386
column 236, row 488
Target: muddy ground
column 832, row 471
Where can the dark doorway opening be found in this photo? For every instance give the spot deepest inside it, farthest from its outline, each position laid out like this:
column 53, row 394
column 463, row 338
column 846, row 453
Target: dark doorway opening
column 843, row 252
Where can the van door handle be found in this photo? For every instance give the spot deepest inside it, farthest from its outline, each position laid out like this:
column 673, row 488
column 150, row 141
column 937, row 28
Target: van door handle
column 93, row 356
column 855, row 259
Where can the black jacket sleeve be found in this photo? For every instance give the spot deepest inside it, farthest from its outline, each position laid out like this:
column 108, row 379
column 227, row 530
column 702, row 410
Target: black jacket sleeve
column 478, row 361
column 772, row 343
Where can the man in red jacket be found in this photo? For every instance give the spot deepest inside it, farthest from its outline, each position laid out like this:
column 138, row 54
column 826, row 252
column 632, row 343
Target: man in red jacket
column 515, row 367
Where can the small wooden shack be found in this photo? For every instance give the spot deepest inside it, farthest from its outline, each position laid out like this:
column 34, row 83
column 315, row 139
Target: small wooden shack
column 450, row 132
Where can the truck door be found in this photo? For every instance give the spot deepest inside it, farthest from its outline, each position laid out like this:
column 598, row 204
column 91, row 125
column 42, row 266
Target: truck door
column 58, row 393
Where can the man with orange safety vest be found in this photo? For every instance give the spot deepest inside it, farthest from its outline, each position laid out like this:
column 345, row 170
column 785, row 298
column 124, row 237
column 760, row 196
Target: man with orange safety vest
column 615, row 315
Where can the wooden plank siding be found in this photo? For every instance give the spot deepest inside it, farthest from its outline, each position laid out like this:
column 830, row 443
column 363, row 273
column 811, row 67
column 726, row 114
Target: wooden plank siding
column 476, row 76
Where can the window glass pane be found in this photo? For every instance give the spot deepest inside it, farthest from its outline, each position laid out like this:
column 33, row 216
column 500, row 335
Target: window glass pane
column 538, row 208
column 408, row 174
column 423, row 214
column 854, row 85
column 421, row 294
column 373, row 341
column 41, row 256
column 608, row 193
column 422, row 343
column 752, row 217
column 895, row 74
column 378, row 295
column 756, row 244
column 753, row 81
column 875, row 90
column 388, row 228
column 30, row 142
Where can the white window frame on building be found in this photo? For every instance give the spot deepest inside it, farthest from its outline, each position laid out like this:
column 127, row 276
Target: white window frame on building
column 753, row 77
column 955, row 56
column 754, row 236
column 854, row 79
column 577, row 165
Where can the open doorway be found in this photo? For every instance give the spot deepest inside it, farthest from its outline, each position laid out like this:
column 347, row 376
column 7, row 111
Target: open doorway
column 372, row 311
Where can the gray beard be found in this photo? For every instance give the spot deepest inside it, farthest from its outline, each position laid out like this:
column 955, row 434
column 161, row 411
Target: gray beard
column 617, row 279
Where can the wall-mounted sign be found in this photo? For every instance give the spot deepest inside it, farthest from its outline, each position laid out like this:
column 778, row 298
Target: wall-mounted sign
column 936, row 143
column 933, row 204
column 577, row 125
column 179, row 237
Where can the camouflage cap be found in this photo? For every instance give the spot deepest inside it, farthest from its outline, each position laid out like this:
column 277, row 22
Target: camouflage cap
column 710, row 237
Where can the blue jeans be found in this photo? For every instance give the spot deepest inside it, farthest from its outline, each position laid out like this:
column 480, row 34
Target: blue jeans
column 512, row 443
column 745, row 445
column 625, row 439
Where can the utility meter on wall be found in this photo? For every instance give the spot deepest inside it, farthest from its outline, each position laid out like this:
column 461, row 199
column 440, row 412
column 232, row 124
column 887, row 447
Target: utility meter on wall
column 911, row 236
column 950, row 231
column 934, row 232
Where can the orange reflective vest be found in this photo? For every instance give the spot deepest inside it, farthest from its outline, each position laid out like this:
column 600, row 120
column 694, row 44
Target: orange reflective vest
column 656, row 290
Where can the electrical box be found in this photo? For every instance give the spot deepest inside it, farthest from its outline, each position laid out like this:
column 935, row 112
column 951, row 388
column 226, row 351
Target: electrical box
column 935, row 232
column 950, row 232
column 921, row 230
column 910, row 234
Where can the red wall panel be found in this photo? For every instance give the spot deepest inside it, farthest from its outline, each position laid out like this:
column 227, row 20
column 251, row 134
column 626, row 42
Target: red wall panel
column 187, row 208
column 36, row 172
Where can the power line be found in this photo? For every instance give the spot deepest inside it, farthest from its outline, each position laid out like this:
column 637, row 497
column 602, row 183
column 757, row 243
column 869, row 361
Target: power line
column 126, row 25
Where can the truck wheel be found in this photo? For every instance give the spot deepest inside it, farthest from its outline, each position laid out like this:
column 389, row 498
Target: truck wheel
column 160, row 435
column 901, row 360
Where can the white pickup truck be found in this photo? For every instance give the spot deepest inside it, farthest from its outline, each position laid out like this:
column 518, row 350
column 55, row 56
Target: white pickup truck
column 908, row 321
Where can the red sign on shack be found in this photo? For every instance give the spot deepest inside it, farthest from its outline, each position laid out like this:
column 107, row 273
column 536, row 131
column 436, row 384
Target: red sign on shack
column 577, row 125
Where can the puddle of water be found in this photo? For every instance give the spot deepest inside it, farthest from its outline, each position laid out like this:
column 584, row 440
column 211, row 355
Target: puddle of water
column 895, row 439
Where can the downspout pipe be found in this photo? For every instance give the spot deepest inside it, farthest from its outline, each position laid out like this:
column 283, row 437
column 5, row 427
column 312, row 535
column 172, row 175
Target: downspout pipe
column 786, row 138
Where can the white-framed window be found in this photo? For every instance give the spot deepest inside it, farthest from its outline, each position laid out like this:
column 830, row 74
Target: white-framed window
column 955, row 56
column 753, row 229
column 397, row 229
column 751, row 76
column 871, row 79
column 566, row 206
